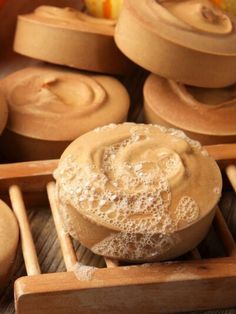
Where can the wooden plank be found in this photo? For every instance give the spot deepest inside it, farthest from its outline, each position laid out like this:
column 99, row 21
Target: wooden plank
column 30, row 176
column 27, row 243
column 222, row 151
column 158, row 288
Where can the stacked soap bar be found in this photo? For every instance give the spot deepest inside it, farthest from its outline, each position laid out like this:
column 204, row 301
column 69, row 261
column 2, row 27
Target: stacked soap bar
column 190, row 46
column 51, row 106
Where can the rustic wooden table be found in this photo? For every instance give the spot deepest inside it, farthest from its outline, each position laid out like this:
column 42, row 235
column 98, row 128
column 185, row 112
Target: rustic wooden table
column 42, row 225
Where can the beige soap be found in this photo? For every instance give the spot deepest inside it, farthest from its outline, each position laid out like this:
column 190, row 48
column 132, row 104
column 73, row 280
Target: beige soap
column 137, row 192
column 3, row 112
column 49, row 107
column 72, row 38
column 189, row 41
column 205, row 114
column 9, row 237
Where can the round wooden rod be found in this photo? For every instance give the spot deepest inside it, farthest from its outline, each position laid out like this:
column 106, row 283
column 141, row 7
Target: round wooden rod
column 231, row 173
column 27, row 243
column 68, row 252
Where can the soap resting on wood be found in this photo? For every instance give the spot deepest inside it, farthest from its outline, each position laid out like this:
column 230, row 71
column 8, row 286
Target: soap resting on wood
column 49, row 107
column 137, row 192
column 72, row 38
column 192, row 42
column 9, row 237
column 206, row 115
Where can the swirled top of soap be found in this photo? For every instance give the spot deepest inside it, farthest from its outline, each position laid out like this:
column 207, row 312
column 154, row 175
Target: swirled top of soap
column 202, row 110
column 195, row 24
column 72, row 18
column 53, row 104
column 138, row 180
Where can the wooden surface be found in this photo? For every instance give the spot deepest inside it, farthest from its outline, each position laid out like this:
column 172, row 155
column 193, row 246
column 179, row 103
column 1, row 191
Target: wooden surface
column 41, row 221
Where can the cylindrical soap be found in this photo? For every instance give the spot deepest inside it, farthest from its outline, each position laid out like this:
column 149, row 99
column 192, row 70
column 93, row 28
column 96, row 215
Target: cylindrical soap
column 9, row 236
column 189, row 41
column 50, row 107
column 66, row 36
column 137, row 192
column 205, row 114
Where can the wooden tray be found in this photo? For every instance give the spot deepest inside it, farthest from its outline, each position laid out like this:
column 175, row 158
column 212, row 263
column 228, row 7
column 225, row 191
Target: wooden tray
column 167, row 287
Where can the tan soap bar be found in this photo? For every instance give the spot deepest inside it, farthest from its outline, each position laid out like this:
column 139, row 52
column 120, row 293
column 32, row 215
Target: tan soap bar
column 137, row 192
column 49, row 107
column 189, row 41
column 70, row 37
column 205, row 114
column 9, row 237
column 3, row 112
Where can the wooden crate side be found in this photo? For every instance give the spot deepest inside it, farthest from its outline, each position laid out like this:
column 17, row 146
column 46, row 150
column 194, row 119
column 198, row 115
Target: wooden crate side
column 157, row 288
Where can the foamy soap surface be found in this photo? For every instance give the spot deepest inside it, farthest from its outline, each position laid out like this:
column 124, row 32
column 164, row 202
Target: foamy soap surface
column 137, row 192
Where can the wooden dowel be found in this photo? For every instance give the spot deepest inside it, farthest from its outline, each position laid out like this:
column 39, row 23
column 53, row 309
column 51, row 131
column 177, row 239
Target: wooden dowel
column 111, row 263
column 195, row 254
column 222, row 151
column 27, row 243
column 225, row 234
column 231, row 173
column 68, row 251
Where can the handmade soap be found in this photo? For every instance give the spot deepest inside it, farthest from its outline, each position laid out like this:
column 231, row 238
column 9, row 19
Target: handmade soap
column 205, row 114
column 70, row 37
column 137, row 192
column 9, row 236
column 3, row 112
column 189, row 41
column 49, row 107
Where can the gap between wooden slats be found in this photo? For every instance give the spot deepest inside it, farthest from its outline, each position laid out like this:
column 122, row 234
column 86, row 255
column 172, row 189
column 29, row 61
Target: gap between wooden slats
column 225, row 234
column 220, row 223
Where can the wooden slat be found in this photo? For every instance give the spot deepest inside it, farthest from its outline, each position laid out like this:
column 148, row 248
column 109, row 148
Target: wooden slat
column 222, row 151
column 225, row 234
column 111, row 262
column 68, row 252
column 231, row 173
column 30, row 176
column 27, row 243
column 158, row 288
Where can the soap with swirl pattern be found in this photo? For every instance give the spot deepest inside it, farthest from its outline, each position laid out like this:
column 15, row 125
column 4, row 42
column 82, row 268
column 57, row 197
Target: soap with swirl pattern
column 67, row 36
column 189, row 41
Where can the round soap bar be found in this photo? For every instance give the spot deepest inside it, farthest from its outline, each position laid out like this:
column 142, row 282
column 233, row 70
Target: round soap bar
column 3, row 112
column 9, row 236
column 137, row 192
column 190, row 41
column 205, row 114
column 50, row 107
column 109, row 9
column 70, row 37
